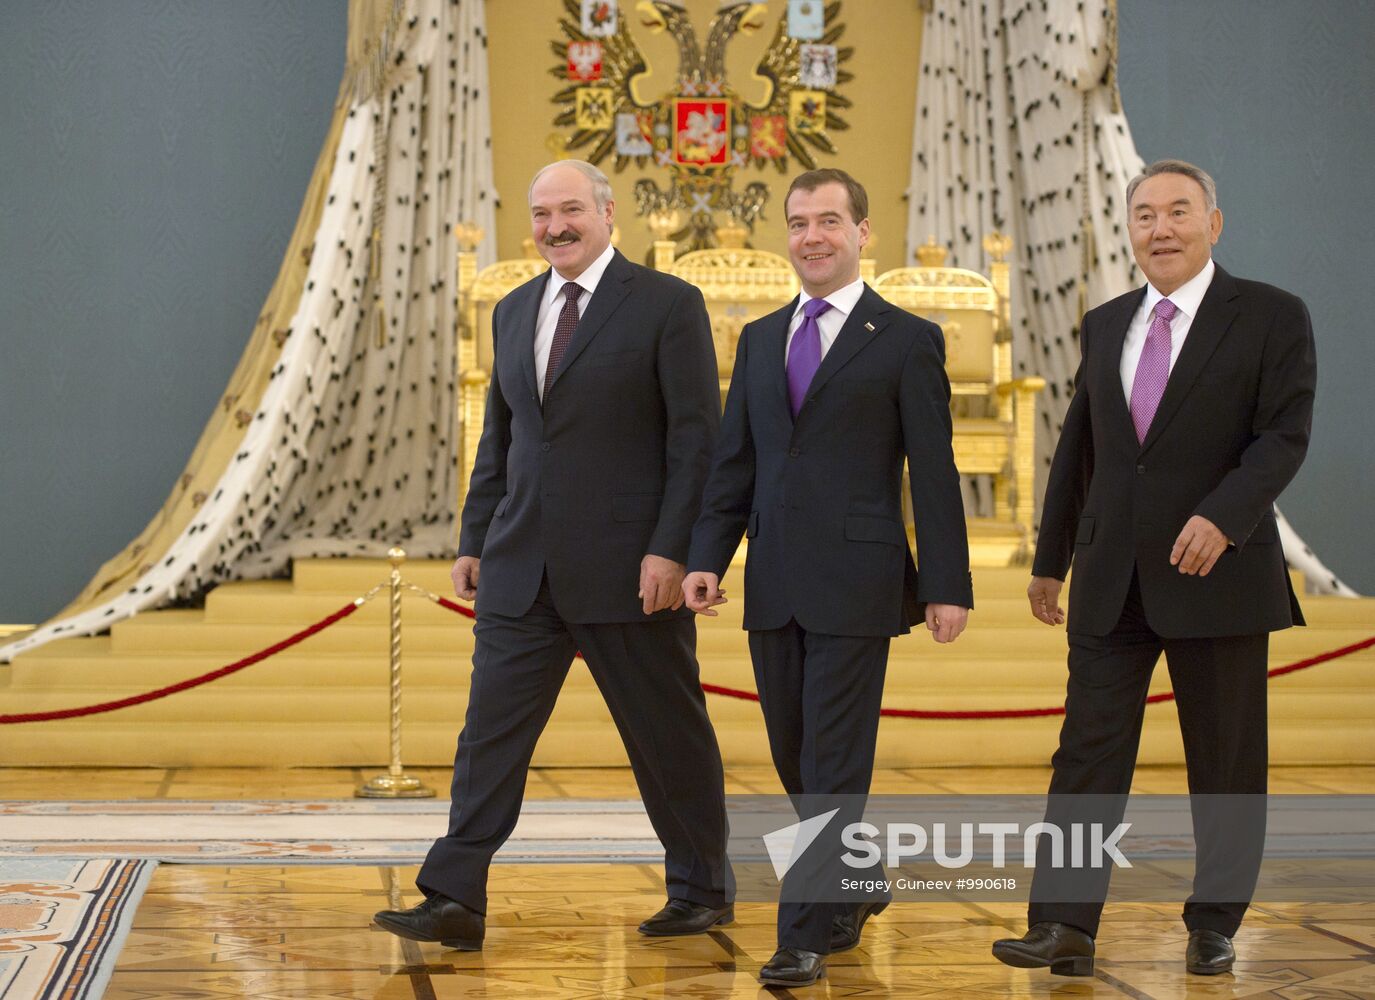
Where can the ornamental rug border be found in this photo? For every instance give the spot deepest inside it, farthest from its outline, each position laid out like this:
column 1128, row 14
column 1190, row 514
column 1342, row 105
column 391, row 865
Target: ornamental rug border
column 63, row 922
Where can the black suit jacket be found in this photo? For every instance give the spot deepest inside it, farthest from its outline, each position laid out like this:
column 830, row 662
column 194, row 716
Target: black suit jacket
column 611, row 467
column 821, row 499
column 1231, row 431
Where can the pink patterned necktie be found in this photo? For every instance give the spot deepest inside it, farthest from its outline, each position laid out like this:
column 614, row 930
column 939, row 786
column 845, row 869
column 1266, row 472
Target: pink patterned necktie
column 804, row 356
column 1153, row 370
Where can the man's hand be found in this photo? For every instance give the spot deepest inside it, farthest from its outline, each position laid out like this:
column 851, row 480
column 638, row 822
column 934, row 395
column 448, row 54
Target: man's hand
column 946, row 621
column 464, row 575
column 702, row 591
column 661, row 584
column 1044, row 595
column 1198, row 546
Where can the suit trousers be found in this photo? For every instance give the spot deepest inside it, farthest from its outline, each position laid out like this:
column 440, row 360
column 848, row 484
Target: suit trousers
column 1220, row 693
column 821, row 696
column 648, row 674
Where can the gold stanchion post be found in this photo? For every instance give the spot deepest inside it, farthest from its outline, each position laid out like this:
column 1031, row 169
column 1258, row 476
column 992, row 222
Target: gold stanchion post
column 396, row 783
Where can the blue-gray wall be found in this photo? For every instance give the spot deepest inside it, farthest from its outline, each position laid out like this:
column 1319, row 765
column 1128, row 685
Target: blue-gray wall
column 153, row 156
column 1274, row 99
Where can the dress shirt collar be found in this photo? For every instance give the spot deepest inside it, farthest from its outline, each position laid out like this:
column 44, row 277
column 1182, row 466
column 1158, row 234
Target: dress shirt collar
column 587, row 281
column 842, row 300
column 1188, row 296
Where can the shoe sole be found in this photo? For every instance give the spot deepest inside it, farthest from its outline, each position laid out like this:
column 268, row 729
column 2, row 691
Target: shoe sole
column 1079, row 965
column 455, row 944
column 859, row 931
column 793, row 982
column 726, row 918
column 1208, row 970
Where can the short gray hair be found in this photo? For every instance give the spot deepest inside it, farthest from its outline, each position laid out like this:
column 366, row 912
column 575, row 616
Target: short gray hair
column 1205, row 181
column 601, row 187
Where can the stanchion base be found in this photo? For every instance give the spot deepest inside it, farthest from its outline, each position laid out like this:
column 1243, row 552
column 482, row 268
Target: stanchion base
column 393, row 786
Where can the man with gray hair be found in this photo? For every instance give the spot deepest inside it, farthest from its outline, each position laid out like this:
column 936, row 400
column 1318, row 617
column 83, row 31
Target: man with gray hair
column 1192, row 409
column 602, row 413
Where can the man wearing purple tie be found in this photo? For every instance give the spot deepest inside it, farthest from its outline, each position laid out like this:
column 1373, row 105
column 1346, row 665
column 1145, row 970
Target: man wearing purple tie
column 829, row 395
column 1192, row 410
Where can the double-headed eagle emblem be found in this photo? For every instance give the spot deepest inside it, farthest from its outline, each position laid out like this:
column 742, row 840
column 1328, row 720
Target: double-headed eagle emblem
column 705, row 128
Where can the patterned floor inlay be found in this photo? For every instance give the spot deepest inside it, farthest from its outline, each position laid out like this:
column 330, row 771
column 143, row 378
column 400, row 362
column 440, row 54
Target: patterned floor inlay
column 568, row 931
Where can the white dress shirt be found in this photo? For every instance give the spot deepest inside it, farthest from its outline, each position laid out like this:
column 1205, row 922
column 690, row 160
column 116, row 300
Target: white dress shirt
column 1186, row 298
column 842, row 300
column 552, row 304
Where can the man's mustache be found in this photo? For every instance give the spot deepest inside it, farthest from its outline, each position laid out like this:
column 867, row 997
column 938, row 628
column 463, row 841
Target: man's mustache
column 551, row 238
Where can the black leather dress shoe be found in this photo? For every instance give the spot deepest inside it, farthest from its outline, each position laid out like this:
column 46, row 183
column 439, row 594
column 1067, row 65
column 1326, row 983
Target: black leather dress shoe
column 1067, row 950
column 793, row 967
column 438, row 918
column 682, row 916
column 847, row 927
column 1209, row 953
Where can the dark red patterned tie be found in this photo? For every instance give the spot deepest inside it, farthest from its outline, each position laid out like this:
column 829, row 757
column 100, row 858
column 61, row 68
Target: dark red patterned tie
column 563, row 332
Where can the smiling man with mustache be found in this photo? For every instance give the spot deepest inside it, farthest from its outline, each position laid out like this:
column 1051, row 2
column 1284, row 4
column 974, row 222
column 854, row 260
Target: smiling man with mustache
column 603, row 407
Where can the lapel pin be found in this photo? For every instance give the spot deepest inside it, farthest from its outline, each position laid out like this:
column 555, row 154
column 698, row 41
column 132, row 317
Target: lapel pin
column 869, row 327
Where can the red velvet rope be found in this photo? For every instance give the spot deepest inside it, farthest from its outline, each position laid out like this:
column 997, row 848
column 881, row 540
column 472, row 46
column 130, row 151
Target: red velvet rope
column 214, row 675
column 1004, row 713
column 350, row 608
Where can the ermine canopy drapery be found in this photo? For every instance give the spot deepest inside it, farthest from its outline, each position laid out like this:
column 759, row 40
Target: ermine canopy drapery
column 336, row 432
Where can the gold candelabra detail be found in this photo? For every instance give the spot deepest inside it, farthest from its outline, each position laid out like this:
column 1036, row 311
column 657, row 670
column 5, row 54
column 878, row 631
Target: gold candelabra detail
column 931, row 253
column 663, row 223
column 732, row 236
column 997, row 245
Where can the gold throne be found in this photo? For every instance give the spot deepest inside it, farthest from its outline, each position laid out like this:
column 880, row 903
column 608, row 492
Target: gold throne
column 994, row 414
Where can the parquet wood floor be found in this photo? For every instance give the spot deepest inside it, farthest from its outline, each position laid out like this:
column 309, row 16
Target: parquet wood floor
column 557, row 932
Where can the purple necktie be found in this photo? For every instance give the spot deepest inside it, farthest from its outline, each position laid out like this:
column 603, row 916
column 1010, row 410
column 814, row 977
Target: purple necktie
column 1153, row 370
column 804, row 356
column 563, row 331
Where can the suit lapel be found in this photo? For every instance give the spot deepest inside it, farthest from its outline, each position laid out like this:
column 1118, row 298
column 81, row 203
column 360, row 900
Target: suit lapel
column 775, row 337
column 525, row 316
column 611, row 292
column 864, row 322
column 1119, row 408
column 1215, row 315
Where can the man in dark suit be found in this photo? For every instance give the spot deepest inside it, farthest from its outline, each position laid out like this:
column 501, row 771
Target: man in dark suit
column 603, row 407
column 1192, row 410
column 829, row 395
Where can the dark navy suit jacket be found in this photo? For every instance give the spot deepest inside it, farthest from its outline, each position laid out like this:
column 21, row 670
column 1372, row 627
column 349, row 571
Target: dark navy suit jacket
column 820, row 499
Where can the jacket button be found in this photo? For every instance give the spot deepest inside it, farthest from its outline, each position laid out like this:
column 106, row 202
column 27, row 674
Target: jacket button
column 1140, row 470
column 793, row 452
column 545, row 446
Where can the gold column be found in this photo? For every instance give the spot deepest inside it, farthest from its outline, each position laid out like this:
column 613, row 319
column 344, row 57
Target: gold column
column 473, row 389
column 469, row 235
column 663, row 223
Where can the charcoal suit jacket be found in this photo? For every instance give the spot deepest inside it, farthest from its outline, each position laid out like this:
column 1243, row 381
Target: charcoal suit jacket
column 1230, row 433
column 611, row 466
